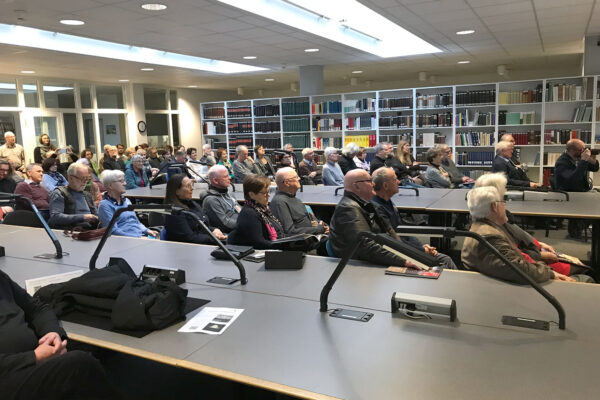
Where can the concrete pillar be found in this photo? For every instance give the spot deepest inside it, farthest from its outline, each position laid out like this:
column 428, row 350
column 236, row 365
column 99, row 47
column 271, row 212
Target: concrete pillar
column 311, row 80
column 591, row 55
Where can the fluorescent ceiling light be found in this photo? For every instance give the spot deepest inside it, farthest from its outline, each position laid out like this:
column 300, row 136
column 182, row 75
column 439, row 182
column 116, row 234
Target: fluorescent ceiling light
column 56, row 88
column 123, row 80
column 27, row 71
column 146, row 69
column 344, row 21
column 249, row 57
column 464, row 62
column 192, row 86
column 269, row 79
column 154, row 7
column 465, row 32
column 71, row 22
column 357, row 72
column 39, row 39
column 311, row 50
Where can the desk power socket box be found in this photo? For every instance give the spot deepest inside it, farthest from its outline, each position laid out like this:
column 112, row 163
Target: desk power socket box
column 415, row 306
column 151, row 272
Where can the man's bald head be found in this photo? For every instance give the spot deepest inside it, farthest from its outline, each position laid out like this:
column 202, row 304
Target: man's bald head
column 507, row 137
column 575, row 144
column 287, row 180
column 283, row 174
column 358, row 181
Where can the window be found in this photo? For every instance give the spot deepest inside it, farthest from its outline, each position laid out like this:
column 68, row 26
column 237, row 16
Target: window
column 173, row 99
column 30, row 92
column 175, row 125
column 112, row 129
column 155, row 99
column 88, row 132
column 8, row 94
column 71, row 135
column 59, row 95
column 157, row 128
column 85, row 96
column 109, row 96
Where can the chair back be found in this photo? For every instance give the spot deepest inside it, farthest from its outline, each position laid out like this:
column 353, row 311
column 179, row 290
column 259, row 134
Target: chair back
column 22, row 218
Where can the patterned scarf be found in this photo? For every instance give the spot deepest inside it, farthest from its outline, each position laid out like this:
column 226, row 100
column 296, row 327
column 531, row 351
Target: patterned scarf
column 266, row 215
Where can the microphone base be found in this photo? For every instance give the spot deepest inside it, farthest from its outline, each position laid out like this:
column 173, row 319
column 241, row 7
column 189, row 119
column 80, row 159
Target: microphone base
column 526, row 322
column 220, row 280
column 50, row 256
column 351, row 315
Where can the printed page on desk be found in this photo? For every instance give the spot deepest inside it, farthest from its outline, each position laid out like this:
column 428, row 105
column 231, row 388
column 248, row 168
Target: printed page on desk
column 212, row 320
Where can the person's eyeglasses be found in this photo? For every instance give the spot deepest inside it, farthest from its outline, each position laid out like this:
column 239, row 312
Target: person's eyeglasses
column 365, row 180
column 501, row 201
column 296, row 178
column 263, row 192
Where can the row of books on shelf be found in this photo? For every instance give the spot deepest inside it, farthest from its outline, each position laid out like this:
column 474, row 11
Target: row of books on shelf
column 434, row 120
column 397, row 121
column 474, row 97
column 214, row 112
column 218, row 144
column 358, row 123
column 295, row 107
column 327, row 107
column 474, row 139
column 239, row 112
column 267, row 126
column 296, row 124
column 327, row 124
column 239, row 127
column 566, row 91
column 361, row 140
column 434, row 100
column 475, row 158
column 562, row 136
column 430, row 139
column 474, row 118
column 239, row 141
column 395, row 139
column 359, row 105
column 546, row 173
column 268, row 143
column 267, row 110
column 522, row 138
column 550, row 158
column 395, row 102
column 583, row 113
column 213, row 128
column 516, row 118
column 322, row 143
column 521, row 96
column 299, row 141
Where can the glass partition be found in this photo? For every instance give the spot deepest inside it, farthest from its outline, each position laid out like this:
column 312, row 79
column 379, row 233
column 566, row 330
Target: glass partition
column 109, row 96
column 8, row 94
column 59, row 95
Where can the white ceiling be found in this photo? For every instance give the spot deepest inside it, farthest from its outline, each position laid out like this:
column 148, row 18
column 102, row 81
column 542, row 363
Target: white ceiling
column 523, row 34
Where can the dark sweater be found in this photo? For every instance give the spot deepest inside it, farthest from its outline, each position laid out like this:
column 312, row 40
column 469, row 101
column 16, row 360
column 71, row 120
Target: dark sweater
column 23, row 320
column 110, row 163
column 292, row 214
column 572, row 175
column 35, row 192
column 185, row 228
column 346, row 163
column 252, row 231
column 7, row 185
column 379, row 162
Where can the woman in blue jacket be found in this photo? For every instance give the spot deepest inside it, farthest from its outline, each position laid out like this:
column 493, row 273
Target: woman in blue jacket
column 135, row 175
column 127, row 224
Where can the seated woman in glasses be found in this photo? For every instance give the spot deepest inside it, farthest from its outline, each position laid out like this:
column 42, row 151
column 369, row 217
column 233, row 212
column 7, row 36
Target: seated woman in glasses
column 256, row 224
column 183, row 227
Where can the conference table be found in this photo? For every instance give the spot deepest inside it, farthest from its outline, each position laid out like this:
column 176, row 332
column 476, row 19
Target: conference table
column 282, row 343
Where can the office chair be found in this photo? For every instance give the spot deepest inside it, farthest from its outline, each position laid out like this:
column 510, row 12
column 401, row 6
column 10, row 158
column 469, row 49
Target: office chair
column 22, row 218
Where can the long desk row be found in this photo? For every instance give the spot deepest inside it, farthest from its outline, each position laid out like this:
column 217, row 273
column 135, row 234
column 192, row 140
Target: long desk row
column 283, row 343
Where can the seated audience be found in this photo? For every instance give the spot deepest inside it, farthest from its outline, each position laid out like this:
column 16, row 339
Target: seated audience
column 285, row 162
column 332, row 173
column 386, row 186
column 293, row 158
column 32, row 189
column 360, row 159
column 105, row 155
column 177, row 165
column 346, row 161
column 289, row 210
column 153, row 158
column 7, row 183
column 44, row 150
column 354, row 214
column 193, row 164
column 167, row 153
column 110, row 159
column 256, row 224
column 488, row 211
column 406, row 168
column 503, row 163
column 127, row 154
column 207, row 155
column 571, row 170
column 383, row 156
column 308, row 170
column 243, row 165
column 183, row 227
column 34, row 361
column 89, row 156
column 456, row 177
column 135, row 174
column 128, row 223
column 221, row 208
column 436, row 176
column 52, row 178
column 70, row 205
column 223, row 159
column 263, row 162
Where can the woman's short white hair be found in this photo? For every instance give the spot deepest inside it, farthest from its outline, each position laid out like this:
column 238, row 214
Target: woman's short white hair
column 496, row 179
column 480, row 200
column 350, row 148
column 329, row 151
column 109, row 176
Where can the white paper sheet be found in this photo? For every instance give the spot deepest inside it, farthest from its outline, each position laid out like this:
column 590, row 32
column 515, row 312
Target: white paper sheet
column 212, row 320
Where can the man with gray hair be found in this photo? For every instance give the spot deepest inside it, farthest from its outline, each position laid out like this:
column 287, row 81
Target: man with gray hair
column 32, row 189
column 207, row 155
column 346, row 161
column 70, row 206
column 243, row 165
column 383, row 156
column 222, row 209
column 289, row 210
column 14, row 154
column 332, row 173
column 503, row 163
column 307, row 168
column 456, row 177
column 488, row 211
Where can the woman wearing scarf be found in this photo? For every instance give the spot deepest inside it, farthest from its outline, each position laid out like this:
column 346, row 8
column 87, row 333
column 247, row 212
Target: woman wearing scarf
column 52, row 178
column 223, row 159
column 45, row 150
column 256, row 224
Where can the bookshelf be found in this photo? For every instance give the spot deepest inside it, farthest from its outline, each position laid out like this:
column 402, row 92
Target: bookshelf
column 541, row 114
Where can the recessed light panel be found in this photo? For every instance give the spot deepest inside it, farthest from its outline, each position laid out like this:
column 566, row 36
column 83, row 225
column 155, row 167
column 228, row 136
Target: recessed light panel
column 146, row 69
column 249, row 57
column 154, row 7
column 357, row 72
column 464, row 62
column 311, row 50
column 71, row 22
column 465, row 32
column 28, row 71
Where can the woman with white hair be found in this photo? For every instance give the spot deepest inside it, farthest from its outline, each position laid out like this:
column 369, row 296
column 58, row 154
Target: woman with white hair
column 346, row 161
column 488, row 211
column 127, row 224
column 332, row 173
column 135, row 174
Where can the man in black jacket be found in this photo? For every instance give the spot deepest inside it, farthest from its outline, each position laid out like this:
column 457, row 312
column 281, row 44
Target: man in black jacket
column 571, row 168
column 346, row 161
column 383, row 152
column 354, row 214
column 34, row 362
column 503, row 163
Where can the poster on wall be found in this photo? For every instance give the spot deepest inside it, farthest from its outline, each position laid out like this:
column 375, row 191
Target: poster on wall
column 111, row 129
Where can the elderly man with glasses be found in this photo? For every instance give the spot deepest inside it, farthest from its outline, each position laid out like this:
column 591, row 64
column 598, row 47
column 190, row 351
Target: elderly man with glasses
column 70, row 205
column 222, row 209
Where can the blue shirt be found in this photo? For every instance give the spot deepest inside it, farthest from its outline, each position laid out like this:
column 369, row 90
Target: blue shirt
column 127, row 224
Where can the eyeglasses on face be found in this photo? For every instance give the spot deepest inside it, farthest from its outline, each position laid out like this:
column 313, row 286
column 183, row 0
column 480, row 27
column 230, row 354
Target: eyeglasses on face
column 365, row 180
